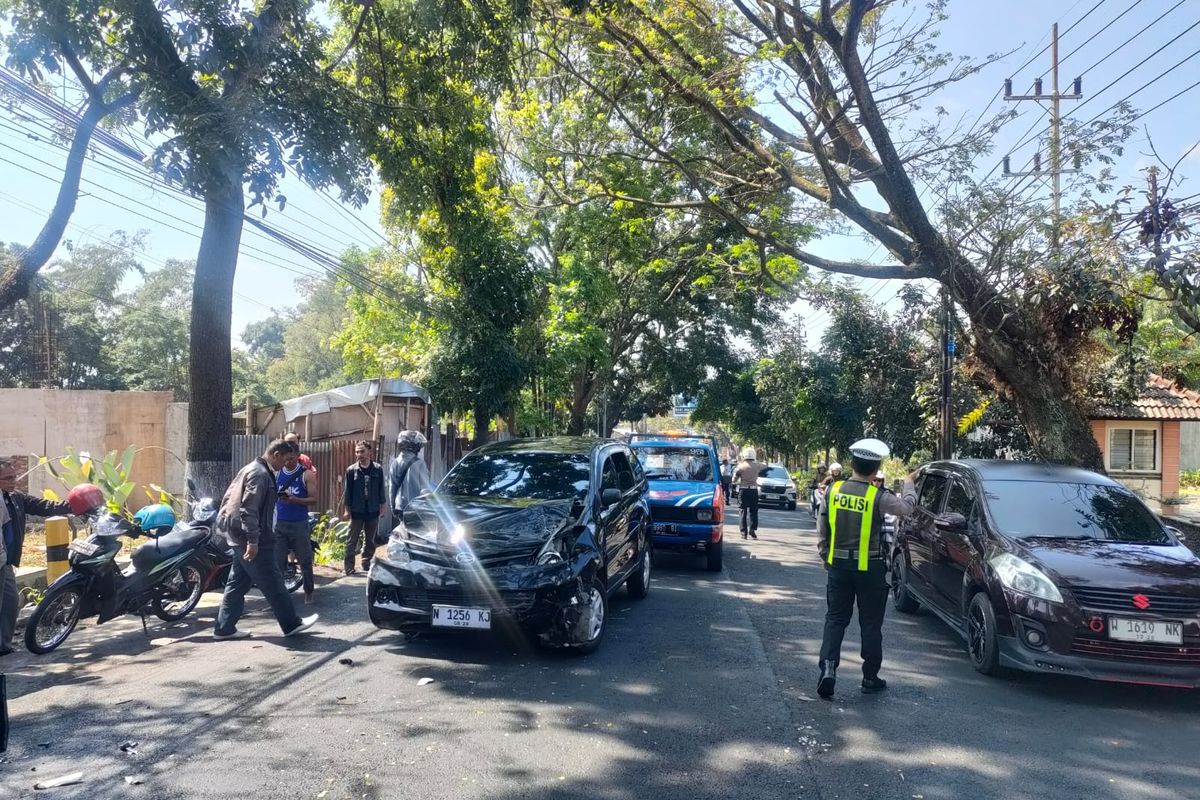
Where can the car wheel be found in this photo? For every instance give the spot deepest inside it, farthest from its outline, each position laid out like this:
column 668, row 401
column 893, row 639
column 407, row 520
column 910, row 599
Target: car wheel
column 593, row 622
column 715, row 553
column 902, row 598
column 982, row 644
column 638, row 584
column 791, row 506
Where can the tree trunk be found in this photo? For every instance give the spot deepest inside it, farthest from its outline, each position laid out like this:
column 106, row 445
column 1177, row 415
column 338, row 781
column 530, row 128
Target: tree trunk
column 581, row 398
column 210, row 412
column 482, row 423
column 17, row 276
column 1041, row 394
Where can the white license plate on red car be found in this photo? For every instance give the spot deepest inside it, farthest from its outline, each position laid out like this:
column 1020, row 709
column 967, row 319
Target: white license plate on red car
column 1123, row 629
column 456, row 617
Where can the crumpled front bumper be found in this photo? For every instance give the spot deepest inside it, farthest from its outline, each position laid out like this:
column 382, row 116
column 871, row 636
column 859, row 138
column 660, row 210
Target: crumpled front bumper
column 539, row 599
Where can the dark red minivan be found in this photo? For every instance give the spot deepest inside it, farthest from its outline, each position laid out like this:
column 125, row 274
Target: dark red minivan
column 1051, row 569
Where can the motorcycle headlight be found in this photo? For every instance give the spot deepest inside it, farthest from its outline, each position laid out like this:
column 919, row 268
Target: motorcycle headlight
column 704, row 514
column 1021, row 576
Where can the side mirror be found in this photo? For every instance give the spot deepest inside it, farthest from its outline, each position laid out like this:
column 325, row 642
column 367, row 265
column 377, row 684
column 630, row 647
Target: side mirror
column 951, row 522
column 610, row 497
column 1178, row 534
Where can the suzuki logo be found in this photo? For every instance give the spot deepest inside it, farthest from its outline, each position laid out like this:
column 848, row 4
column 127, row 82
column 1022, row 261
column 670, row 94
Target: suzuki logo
column 1141, row 601
column 465, row 558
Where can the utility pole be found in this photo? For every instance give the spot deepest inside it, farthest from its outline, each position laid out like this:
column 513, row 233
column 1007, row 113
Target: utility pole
column 1055, row 98
column 945, row 447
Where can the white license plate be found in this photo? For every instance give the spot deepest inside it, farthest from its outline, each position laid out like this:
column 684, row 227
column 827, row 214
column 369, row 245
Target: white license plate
column 664, row 529
column 1123, row 629
column 455, row 617
column 82, row 547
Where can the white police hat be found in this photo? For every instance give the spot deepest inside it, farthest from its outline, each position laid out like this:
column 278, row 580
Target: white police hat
column 870, row 450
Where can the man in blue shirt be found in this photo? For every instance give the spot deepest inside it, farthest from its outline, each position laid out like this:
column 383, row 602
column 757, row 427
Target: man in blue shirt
column 297, row 487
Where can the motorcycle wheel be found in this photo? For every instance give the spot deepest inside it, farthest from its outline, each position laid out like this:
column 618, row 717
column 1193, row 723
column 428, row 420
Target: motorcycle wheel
column 185, row 586
column 53, row 620
column 293, row 576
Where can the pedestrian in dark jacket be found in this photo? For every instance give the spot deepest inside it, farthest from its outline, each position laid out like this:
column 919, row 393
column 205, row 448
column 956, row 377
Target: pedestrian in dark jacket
column 364, row 500
column 246, row 519
column 18, row 507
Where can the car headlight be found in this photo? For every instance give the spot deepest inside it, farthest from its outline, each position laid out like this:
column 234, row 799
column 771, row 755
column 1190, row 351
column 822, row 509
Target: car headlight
column 552, row 552
column 395, row 550
column 704, row 514
column 1021, row 576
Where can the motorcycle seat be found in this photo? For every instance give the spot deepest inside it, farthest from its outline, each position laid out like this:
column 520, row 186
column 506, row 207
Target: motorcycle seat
column 145, row 556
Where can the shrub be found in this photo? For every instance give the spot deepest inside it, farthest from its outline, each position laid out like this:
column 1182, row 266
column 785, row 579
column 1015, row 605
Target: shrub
column 331, row 534
column 1190, row 479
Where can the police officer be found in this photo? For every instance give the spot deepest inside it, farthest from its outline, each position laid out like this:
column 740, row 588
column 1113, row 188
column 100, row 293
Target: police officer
column 850, row 542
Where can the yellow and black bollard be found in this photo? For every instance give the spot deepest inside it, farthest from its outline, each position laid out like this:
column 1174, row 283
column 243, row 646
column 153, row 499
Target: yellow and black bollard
column 58, row 539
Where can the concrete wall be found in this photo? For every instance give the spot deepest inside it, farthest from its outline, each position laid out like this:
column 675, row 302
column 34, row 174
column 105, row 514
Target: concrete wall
column 38, row 422
column 176, row 455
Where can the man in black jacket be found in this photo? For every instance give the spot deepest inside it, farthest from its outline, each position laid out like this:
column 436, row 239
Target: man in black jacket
column 247, row 520
column 364, row 501
column 19, row 506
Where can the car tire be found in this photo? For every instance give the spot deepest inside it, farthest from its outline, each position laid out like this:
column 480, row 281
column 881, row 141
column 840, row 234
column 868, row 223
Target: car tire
column 590, row 639
column 716, row 555
column 902, row 597
column 791, row 506
column 983, row 644
column 638, row 584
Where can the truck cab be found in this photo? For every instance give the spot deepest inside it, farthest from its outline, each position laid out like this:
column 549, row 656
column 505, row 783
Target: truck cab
column 687, row 501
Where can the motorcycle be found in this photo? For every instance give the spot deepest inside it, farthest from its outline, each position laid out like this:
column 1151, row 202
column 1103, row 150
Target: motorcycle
column 163, row 577
column 217, row 556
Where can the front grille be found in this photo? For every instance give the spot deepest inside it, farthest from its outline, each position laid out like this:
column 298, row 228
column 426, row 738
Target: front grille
column 431, row 553
column 1121, row 601
column 499, row 602
column 1136, row 652
column 672, row 514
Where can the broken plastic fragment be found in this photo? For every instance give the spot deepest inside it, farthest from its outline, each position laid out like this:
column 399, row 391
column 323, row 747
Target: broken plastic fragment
column 424, row 681
column 134, row 780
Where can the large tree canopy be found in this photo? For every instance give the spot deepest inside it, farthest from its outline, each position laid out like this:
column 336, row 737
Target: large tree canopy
column 846, row 137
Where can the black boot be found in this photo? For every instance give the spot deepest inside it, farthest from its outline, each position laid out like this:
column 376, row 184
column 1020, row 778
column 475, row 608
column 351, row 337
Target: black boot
column 828, row 679
column 873, row 685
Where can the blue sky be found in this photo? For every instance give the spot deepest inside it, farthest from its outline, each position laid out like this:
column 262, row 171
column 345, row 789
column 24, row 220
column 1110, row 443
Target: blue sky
column 267, row 271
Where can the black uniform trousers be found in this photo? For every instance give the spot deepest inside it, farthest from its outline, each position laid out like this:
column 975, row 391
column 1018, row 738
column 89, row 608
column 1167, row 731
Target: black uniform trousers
column 845, row 588
column 748, row 500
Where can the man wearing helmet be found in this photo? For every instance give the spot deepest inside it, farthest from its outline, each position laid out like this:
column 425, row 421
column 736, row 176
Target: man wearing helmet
column 850, row 542
column 746, row 477
column 409, row 476
column 17, row 507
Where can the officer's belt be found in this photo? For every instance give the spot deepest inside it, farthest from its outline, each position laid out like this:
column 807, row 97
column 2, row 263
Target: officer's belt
column 852, row 555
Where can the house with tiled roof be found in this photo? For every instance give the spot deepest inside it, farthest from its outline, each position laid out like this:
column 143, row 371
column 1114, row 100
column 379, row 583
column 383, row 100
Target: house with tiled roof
column 1141, row 441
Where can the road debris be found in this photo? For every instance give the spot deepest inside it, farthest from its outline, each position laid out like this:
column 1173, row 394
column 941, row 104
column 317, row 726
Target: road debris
column 424, row 681
column 65, row 780
column 134, row 780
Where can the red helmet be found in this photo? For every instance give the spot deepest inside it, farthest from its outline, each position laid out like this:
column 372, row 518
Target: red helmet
column 84, row 498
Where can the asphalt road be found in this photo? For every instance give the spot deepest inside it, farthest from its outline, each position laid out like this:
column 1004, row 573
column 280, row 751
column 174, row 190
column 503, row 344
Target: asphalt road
column 703, row 690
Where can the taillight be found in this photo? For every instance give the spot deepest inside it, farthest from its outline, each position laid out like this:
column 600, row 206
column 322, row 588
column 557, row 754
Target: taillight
column 719, row 504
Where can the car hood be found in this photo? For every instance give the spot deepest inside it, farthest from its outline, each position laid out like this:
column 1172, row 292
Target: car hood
column 681, row 493
column 1167, row 568
column 776, row 482
column 490, row 524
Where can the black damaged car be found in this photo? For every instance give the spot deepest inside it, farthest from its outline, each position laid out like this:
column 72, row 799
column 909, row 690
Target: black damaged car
column 529, row 534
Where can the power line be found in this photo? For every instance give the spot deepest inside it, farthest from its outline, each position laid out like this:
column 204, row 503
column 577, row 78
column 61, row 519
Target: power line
column 1143, row 61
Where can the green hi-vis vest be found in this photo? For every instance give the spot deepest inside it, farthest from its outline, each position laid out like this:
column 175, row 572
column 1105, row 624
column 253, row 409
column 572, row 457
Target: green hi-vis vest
column 853, row 512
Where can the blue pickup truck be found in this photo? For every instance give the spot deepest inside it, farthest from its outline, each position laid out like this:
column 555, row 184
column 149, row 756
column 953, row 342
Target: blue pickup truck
column 687, row 503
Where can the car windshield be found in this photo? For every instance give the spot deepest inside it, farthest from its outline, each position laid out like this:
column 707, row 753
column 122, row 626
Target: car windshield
column 1071, row 511
column 676, row 463
column 776, row 474
column 539, row 476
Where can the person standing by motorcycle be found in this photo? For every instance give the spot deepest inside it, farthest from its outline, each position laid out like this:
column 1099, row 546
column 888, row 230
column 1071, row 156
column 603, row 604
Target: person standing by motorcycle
column 409, row 477
column 746, row 477
column 246, row 519
column 297, row 486
column 364, row 501
column 18, row 506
